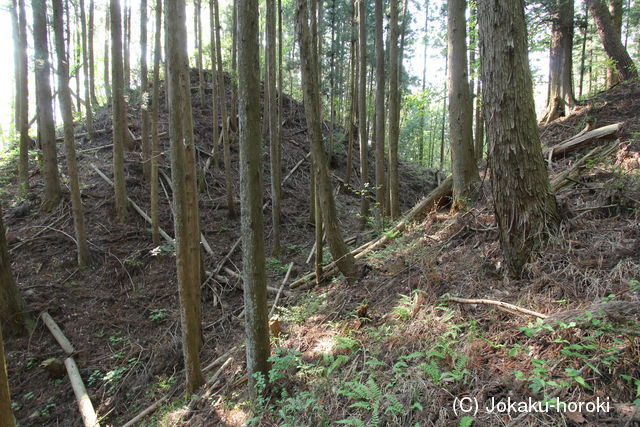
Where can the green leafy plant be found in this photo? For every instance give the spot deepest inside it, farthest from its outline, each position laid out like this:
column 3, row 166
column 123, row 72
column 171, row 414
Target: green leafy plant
column 158, row 314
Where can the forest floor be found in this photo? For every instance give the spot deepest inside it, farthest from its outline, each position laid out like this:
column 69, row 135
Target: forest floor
column 390, row 349
column 122, row 313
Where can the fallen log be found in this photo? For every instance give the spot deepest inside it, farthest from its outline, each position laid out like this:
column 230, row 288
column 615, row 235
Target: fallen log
column 88, row 414
column 581, row 140
column 57, row 333
column 284, row 282
column 89, row 417
column 561, row 179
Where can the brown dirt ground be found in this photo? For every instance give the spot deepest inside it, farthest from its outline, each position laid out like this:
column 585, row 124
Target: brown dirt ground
column 122, row 313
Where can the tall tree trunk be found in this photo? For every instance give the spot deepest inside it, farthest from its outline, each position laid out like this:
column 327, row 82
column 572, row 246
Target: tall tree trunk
column 15, row 30
column 309, row 60
column 85, row 68
column 252, row 223
column 107, row 68
column 64, row 97
column 423, row 112
column 46, row 124
column 92, row 66
column 119, row 111
column 444, row 116
column 560, row 61
column 274, row 126
column 225, row 128
column 479, row 130
column 463, row 164
column 5, row 396
column 144, row 90
column 394, row 111
column 155, row 107
column 23, row 77
column 353, row 101
column 234, row 67
column 615, row 8
column 126, row 49
column 585, row 30
column 611, row 41
column 380, row 86
column 362, row 112
column 525, row 205
column 185, row 195
column 215, row 90
column 14, row 318
column 198, row 34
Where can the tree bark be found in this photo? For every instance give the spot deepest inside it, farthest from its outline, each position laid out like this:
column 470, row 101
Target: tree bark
column 14, row 318
column 23, row 77
column 610, row 40
column 616, row 9
column 362, row 112
column 381, row 188
column 252, row 226
column 463, row 164
column 85, row 68
column 560, row 61
column 155, row 107
column 46, row 124
column 274, row 126
column 119, row 111
column 423, row 111
column 185, row 196
column 525, row 205
column 394, row 111
column 337, row 246
column 198, row 37
column 144, row 90
column 64, row 97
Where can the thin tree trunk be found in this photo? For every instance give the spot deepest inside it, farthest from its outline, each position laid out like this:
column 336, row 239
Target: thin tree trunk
column 234, row 67
column 85, row 68
column 611, row 42
column 479, row 131
column 252, row 224
column 23, row 159
column 15, row 30
column 144, row 89
column 274, row 126
column 92, row 66
column 64, row 96
column 353, row 97
column 107, row 67
column 423, row 111
column 585, row 30
column 362, row 112
column 444, row 116
column 185, row 195
column 463, row 164
column 394, row 112
column 155, row 107
column 318, row 238
column 380, row 110
column 525, row 205
column 225, row 128
column 198, row 33
column 215, row 90
column 46, row 124
column 126, row 52
column 337, row 246
column 119, row 111
column 14, row 318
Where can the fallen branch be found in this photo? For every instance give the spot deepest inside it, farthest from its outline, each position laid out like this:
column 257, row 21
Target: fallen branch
column 581, row 140
column 499, row 304
column 561, row 179
column 57, row 333
column 82, row 135
column 85, row 406
column 87, row 412
column 137, row 208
